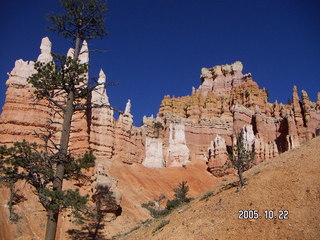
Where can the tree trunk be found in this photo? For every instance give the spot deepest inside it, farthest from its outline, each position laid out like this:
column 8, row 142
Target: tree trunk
column 240, row 171
column 58, row 179
column 11, row 187
column 53, row 215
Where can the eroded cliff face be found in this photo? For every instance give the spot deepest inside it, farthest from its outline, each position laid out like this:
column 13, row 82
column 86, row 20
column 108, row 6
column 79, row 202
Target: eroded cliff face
column 197, row 129
column 228, row 103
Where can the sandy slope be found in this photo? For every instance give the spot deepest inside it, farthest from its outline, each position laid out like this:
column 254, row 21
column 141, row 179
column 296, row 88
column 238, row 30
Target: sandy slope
column 289, row 182
column 140, row 185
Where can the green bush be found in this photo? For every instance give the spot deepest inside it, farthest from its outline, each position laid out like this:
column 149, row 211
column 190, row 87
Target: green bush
column 155, row 213
column 180, row 197
column 148, row 204
column 158, row 213
column 172, row 204
column 181, row 192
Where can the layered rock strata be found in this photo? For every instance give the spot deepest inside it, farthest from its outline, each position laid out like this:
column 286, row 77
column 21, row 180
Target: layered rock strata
column 229, row 103
column 226, row 101
column 102, row 122
column 23, row 115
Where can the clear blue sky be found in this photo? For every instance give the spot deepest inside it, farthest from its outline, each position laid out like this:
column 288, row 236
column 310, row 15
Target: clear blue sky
column 157, row 47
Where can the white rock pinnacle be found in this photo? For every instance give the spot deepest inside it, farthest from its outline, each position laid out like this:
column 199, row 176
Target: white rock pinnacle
column 45, row 47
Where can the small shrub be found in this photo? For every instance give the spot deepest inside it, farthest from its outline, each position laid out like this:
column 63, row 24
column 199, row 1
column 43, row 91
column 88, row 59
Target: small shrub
column 180, row 197
column 181, row 192
column 134, row 228
column 158, row 213
column 161, row 225
column 148, row 204
column 14, row 218
column 158, row 125
column 172, row 204
column 206, row 195
column 147, row 222
column 155, row 213
column 241, row 159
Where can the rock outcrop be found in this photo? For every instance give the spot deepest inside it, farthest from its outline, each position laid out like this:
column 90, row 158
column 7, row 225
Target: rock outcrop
column 221, row 79
column 178, row 152
column 102, row 122
column 154, row 153
column 22, row 115
column 45, row 48
column 217, row 156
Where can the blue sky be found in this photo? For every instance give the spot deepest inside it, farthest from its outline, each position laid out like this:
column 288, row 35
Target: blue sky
column 156, row 48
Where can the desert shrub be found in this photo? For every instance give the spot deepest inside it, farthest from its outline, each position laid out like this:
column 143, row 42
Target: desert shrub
column 148, row 204
column 206, row 195
column 241, row 159
column 154, row 207
column 161, row 225
column 154, row 212
column 172, row 204
column 180, row 197
column 181, row 192
column 147, row 222
column 126, row 233
column 159, row 213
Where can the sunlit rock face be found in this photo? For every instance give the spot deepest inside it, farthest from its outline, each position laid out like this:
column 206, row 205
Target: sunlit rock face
column 22, row 115
column 102, row 122
column 154, row 153
column 178, row 152
column 45, row 47
column 221, row 79
column 247, row 136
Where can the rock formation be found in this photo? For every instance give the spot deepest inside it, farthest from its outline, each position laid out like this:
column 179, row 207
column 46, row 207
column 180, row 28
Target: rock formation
column 154, row 153
column 217, row 156
column 226, row 103
column 178, row 152
column 221, row 79
column 187, row 130
column 235, row 101
column 247, row 136
column 22, row 114
column 102, row 122
column 45, row 47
